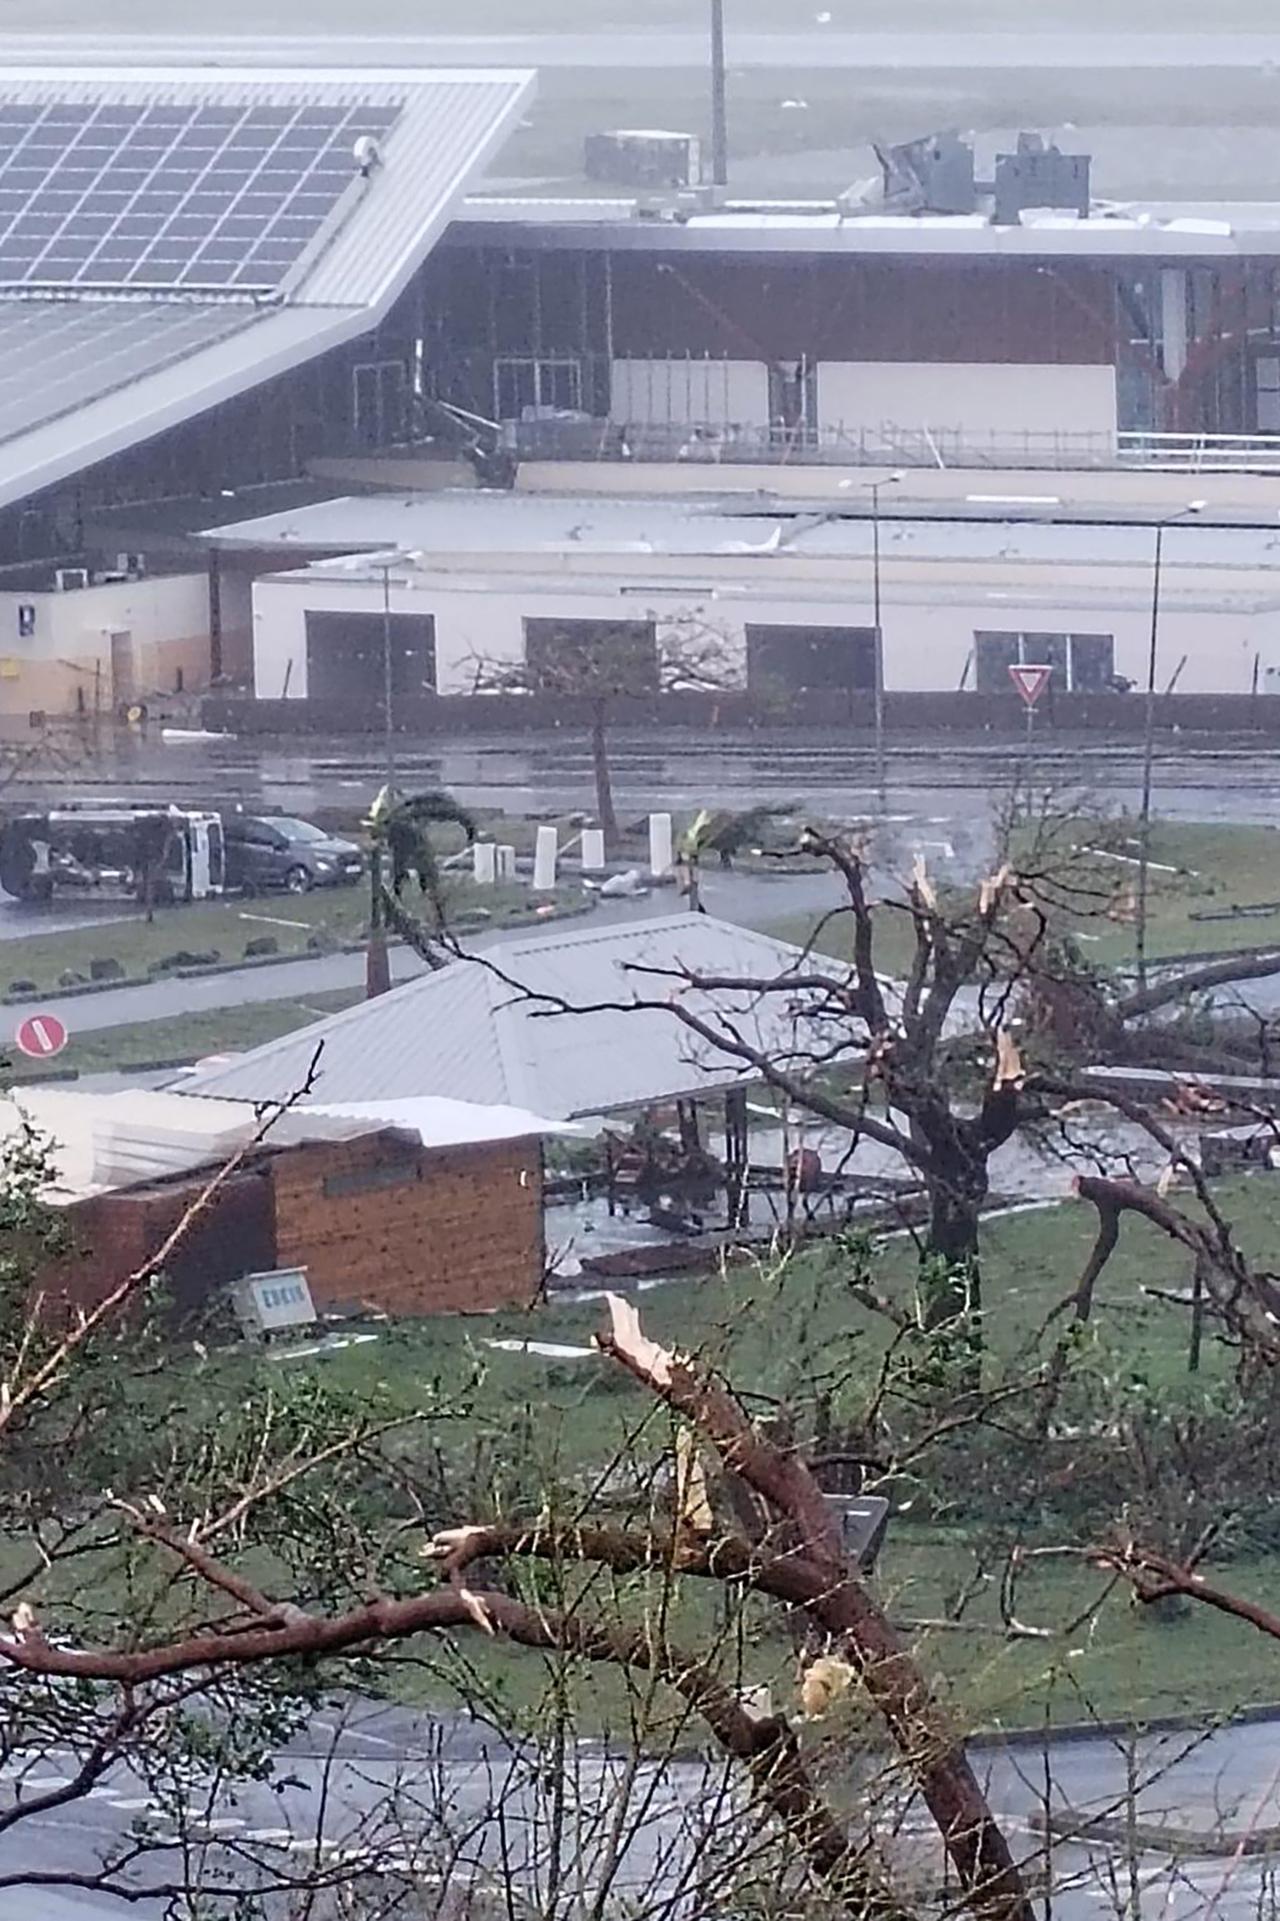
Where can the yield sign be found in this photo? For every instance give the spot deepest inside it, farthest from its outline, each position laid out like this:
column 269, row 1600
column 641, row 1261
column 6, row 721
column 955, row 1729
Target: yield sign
column 1030, row 683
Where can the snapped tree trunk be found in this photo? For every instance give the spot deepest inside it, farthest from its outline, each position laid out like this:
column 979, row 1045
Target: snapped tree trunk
column 600, row 766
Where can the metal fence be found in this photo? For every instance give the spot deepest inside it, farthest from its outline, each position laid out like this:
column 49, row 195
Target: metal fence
column 889, row 445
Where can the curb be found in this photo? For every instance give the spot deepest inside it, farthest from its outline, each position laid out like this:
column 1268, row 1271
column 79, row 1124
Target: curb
column 570, row 911
column 1187, row 1722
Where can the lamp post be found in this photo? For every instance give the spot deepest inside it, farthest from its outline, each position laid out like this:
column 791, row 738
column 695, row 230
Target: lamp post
column 719, row 108
column 875, row 488
column 388, row 676
column 1149, row 737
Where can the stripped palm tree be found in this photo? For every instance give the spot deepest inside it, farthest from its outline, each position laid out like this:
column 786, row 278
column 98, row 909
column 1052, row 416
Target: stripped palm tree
column 723, row 833
column 402, row 850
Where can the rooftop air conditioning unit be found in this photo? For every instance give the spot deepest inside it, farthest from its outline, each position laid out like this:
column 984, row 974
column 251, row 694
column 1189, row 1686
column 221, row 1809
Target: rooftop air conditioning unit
column 67, row 579
column 644, row 157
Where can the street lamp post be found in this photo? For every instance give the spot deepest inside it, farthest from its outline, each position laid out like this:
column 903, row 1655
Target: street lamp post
column 875, row 488
column 388, row 676
column 719, row 107
column 1149, row 739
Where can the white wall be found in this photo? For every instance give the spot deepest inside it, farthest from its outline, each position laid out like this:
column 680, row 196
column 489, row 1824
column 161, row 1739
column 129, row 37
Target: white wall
column 930, row 617
column 968, row 401
column 168, row 617
column 719, row 393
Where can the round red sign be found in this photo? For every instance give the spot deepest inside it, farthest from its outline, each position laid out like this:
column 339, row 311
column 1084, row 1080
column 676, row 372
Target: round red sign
column 41, row 1036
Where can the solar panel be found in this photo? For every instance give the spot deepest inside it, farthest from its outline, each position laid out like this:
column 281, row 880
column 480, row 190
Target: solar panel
column 189, row 196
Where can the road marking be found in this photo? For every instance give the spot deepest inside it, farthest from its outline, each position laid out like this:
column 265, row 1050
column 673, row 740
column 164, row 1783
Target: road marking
column 269, row 1834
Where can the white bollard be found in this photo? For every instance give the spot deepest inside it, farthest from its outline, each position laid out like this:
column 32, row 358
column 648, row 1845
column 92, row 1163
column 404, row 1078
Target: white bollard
column 485, row 856
column 660, row 849
column 544, row 860
column 506, row 863
column 592, row 849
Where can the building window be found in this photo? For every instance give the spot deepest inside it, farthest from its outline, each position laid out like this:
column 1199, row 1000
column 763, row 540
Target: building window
column 526, row 387
column 1081, row 663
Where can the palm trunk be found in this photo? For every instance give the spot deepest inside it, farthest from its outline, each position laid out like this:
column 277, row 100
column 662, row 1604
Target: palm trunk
column 377, row 959
column 604, row 783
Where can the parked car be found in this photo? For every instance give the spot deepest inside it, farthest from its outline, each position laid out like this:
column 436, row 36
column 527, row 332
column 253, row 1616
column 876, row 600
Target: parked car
column 266, row 852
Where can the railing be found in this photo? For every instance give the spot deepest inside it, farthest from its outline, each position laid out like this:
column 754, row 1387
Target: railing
column 714, row 444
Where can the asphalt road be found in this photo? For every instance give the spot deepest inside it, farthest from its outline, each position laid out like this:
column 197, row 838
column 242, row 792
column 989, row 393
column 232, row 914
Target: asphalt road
column 330, row 1802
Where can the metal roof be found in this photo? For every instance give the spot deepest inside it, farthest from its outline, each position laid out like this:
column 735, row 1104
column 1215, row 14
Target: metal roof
column 1116, row 231
column 439, row 531
column 495, row 1037
column 100, row 1142
column 87, row 373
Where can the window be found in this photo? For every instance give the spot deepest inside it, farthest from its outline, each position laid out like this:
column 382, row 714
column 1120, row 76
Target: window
column 1267, row 394
column 1081, row 663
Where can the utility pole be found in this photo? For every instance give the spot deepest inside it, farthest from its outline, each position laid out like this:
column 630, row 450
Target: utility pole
column 719, row 104
column 1149, row 742
column 388, row 676
column 874, row 488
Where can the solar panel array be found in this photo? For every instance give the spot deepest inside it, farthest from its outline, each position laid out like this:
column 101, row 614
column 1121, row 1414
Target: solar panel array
column 193, row 196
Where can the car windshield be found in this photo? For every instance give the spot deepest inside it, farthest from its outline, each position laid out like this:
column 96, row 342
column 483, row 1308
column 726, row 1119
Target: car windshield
column 299, row 829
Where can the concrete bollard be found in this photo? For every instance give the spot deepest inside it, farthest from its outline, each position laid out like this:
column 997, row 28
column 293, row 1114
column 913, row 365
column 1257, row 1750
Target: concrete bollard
column 660, row 845
column 592, row 849
column 485, row 856
column 506, row 863
column 544, row 860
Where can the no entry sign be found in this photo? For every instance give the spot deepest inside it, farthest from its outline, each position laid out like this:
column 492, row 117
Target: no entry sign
column 41, row 1036
column 1030, row 683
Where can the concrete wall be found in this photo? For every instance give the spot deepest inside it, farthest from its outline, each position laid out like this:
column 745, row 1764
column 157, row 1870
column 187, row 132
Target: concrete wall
column 929, row 620
column 71, row 648
column 977, row 402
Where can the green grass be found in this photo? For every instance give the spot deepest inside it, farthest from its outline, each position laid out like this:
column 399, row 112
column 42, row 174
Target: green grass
column 188, row 1037
column 1218, row 867
column 561, row 1423
column 334, row 917
column 520, row 1426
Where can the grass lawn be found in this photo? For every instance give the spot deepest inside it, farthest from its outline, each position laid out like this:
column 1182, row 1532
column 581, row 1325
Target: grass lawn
column 331, row 917
column 1215, row 868
column 188, row 1037
column 569, row 1423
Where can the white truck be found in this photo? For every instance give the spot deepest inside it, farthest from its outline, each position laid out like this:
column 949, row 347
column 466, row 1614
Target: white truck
column 113, row 850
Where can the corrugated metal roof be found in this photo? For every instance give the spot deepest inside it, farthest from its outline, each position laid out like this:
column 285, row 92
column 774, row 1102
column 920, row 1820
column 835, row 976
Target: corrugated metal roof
column 486, row 1036
column 451, row 126
column 66, row 440
column 86, row 375
column 104, row 1141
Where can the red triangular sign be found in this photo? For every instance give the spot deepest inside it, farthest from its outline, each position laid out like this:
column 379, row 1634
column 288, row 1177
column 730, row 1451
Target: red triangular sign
column 1030, row 682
